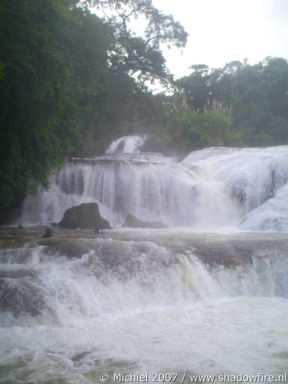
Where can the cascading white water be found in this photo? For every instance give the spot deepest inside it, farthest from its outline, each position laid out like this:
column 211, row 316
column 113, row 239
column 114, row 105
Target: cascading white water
column 149, row 187
column 126, row 144
column 257, row 178
column 137, row 302
column 146, row 301
column 210, row 188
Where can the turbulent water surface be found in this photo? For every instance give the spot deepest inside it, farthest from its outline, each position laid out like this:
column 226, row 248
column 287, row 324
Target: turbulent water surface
column 206, row 296
column 131, row 301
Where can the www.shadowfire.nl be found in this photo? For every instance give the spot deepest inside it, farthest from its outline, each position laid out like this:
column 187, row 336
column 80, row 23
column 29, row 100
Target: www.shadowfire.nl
column 241, row 378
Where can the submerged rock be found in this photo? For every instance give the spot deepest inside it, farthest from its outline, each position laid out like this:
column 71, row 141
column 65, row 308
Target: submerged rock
column 20, row 296
column 133, row 222
column 84, row 216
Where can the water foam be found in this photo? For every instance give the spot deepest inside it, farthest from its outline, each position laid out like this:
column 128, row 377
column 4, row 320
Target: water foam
column 210, row 188
column 141, row 306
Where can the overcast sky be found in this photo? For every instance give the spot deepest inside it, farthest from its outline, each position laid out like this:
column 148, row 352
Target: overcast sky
column 224, row 30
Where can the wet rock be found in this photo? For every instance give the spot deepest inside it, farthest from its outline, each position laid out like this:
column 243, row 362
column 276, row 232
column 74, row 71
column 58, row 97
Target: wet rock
column 134, row 222
column 48, row 232
column 84, row 216
column 16, row 273
column 20, row 296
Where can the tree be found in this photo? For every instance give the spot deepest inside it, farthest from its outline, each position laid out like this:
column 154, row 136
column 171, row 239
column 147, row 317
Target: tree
column 41, row 90
column 140, row 56
column 238, row 104
column 197, row 87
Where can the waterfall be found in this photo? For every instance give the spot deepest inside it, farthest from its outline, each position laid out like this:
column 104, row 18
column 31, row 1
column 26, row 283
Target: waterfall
column 207, row 296
column 210, row 188
column 72, row 308
column 126, row 144
column 256, row 177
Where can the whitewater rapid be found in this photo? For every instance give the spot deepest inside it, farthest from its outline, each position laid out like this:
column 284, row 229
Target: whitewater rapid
column 134, row 301
column 240, row 188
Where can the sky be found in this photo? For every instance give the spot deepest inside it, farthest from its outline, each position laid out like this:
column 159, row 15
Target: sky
column 221, row 31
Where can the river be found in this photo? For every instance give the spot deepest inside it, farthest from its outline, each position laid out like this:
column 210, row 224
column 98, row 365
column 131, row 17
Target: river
column 205, row 296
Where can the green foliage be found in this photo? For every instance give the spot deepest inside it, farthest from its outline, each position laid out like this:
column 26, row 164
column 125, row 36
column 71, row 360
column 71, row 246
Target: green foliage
column 34, row 93
column 237, row 105
column 160, row 28
column 187, row 129
column 256, row 95
column 1, row 70
column 137, row 56
column 69, row 80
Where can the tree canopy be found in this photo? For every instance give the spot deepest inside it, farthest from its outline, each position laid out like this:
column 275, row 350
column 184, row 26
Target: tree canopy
column 237, row 105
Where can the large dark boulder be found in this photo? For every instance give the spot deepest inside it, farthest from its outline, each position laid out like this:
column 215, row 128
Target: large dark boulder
column 134, row 222
column 84, row 216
